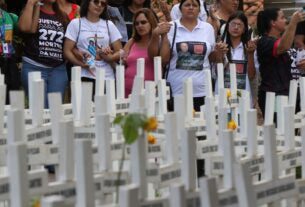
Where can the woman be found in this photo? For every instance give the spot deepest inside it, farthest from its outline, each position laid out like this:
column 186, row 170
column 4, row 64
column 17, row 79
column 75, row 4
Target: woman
column 69, row 7
column 97, row 38
column 137, row 47
column 187, row 47
column 273, row 51
column 241, row 51
column 197, row 36
column 128, row 10
column 45, row 25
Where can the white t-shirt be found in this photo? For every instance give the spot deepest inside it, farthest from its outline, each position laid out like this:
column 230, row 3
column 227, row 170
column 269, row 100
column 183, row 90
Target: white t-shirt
column 176, row 13
column 190, row 56
column 92, row 34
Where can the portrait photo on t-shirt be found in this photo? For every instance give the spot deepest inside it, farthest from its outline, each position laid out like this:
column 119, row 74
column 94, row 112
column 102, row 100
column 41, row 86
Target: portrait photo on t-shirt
column 241, row 74
column 190, row 55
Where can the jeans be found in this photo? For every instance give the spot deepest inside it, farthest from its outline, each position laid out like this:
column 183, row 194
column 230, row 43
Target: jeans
column 55, row 79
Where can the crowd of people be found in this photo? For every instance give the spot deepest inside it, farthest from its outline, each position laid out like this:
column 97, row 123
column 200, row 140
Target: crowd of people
column 190, row 36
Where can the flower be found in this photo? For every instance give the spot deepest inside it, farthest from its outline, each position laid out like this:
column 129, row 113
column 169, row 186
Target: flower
column 36, row 203
column 229, row 94
column 151, row 139
column 151, row 124
column 232, row 125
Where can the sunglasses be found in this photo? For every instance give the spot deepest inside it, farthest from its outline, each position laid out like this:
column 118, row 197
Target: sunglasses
column 102, row 3
column 141, row 22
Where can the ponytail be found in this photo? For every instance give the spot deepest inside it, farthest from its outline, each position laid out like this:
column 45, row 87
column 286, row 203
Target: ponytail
column 264, row 19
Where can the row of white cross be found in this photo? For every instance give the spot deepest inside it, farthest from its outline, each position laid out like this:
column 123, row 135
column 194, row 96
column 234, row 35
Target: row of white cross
column 87, row 173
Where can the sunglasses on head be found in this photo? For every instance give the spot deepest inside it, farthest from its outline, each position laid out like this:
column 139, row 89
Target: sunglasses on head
column 141, row 22
column 97, row 3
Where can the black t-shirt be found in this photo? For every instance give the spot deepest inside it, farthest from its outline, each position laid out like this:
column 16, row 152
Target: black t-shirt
column 46, row 45
column 300, row 28
column 275, row 69
column 128, row 18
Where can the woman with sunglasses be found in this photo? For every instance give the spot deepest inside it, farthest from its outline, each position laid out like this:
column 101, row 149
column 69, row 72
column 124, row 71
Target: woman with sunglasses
column 138, row 47
column 96, row 37
column 45, row 25
column 240, row 51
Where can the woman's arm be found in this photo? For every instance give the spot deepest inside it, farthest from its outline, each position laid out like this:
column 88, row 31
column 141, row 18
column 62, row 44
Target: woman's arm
column 165, row 50
column 69, row 46
column 28, row 21
column 217, row 55
column 288, row 36
column 250, row 49
column 109, row 56
column 154, row 43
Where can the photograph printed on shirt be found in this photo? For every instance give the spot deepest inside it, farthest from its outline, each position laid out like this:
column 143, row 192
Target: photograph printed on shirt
column 190, row 55
column 296, row 56
column 241, row 74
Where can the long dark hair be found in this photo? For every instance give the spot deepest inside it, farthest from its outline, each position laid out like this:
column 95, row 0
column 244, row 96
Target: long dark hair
column 151, row 18
column 264, row 19
column 226, row 37
column 61, row 15
column 84, row 10
column 145, row 5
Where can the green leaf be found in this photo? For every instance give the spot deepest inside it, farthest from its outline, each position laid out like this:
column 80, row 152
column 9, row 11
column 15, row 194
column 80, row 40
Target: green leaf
column 131, row 126
column 130, row 133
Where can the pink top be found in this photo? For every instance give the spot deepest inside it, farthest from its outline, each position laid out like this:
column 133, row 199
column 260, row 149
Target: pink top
column 131, row 69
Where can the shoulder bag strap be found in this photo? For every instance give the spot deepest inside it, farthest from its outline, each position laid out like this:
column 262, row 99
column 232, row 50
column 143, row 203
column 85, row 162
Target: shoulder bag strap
column 79, row 26
column 171, row 52
column 108, row 33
